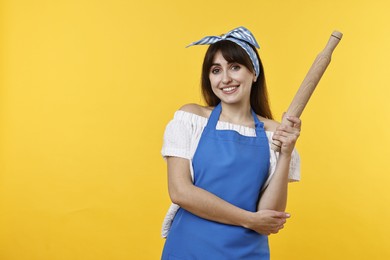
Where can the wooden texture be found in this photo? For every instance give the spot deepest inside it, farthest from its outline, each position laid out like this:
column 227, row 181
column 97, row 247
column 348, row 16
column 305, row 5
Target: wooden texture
column 310, row 82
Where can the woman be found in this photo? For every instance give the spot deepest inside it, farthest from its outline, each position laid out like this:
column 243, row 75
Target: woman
column 228, row 188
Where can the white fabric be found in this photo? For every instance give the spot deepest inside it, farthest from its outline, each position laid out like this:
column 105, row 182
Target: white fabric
column 181, row 139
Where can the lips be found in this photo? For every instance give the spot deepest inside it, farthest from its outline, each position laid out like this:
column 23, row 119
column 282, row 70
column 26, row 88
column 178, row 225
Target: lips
column 229, row 89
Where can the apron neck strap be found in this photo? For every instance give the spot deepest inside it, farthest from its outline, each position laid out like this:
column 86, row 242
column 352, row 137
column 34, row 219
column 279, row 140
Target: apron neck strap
column 258, row 124
column 214, row 117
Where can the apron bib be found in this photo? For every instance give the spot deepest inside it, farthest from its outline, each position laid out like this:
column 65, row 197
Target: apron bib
column 233, row 167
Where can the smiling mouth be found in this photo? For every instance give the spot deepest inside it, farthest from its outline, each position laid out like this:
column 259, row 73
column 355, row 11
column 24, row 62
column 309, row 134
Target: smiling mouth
column 229, row 89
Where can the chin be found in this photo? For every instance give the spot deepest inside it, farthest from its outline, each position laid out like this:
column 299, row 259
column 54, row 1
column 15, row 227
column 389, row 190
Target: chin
column 231, row 101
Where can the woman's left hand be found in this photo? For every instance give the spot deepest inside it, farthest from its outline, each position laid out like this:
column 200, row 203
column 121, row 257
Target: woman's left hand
column 288, row 135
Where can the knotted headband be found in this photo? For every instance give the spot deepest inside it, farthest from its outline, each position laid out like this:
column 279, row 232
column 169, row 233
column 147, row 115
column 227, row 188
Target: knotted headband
column 241, row 36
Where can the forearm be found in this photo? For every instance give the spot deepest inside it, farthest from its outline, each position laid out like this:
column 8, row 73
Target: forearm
column 209, row 206
column 274, row 196
column 206, row 205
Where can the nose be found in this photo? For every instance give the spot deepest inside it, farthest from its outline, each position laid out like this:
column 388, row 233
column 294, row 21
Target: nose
column 226, row 78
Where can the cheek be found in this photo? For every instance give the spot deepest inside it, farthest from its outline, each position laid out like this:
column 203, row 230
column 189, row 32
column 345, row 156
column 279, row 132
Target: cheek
column 213, row 81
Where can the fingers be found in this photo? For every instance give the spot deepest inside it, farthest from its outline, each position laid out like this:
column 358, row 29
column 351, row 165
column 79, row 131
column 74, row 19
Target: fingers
column 278, row 221
column 269, row 213
column 279, row 214
column 275, row 229
column 285, row 138
column 286, row 134
column 287, row 141
column 289, row 129
column 273, row 213
column 295, row 121
column 270, row 221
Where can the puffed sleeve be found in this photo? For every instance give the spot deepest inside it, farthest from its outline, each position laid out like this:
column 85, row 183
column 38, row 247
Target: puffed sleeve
column 295, row 167
column 177, row 142
column 294, row 173
column 177, row 137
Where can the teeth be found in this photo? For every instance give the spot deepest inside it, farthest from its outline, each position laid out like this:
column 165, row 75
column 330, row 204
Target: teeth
column 228, row 89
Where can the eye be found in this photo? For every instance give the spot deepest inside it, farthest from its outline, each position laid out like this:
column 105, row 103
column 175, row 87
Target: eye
column 215, row 70
column 236, row 67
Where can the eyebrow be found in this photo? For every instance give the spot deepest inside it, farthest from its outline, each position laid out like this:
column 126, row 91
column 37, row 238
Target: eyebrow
column 219, row 64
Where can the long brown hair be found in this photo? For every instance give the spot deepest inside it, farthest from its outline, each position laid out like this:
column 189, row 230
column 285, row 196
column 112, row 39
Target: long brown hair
column 234, row 53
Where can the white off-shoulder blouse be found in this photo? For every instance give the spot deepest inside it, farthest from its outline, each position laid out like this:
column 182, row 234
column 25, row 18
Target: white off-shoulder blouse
column 181, row 139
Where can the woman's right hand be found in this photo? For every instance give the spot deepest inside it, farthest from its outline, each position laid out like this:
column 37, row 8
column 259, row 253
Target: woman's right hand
column 267, row 222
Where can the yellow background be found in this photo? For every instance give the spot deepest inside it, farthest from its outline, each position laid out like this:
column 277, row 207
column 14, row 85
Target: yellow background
column 87, row 88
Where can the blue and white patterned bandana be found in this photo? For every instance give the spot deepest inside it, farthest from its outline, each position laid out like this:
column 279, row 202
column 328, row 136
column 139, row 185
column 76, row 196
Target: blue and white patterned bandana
column 241, row 36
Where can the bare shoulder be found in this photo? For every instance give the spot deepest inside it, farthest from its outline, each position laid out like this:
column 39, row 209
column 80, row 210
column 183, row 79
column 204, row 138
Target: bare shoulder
column 197, row 109
column 269, row 124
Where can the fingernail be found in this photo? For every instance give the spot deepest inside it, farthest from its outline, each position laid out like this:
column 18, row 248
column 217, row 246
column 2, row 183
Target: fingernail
column 288, row 215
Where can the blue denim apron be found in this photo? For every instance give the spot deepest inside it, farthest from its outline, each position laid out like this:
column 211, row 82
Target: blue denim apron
column 233, row 167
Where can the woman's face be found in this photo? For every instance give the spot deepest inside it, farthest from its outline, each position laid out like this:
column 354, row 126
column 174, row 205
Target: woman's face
column 230, row 82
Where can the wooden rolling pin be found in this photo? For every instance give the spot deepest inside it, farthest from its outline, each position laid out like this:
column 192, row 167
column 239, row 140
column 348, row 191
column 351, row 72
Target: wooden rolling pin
column 309, row 83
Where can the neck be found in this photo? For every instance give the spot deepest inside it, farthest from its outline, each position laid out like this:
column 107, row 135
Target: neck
column 237, row 114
